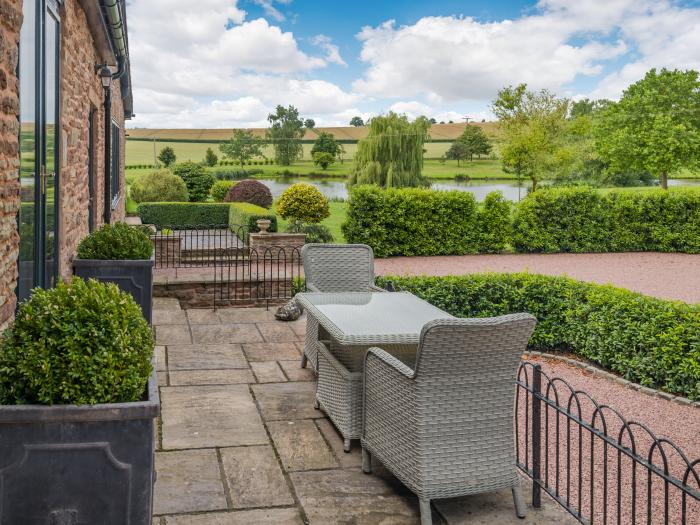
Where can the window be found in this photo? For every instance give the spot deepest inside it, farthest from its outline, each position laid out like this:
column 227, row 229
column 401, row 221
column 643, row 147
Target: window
column 116, row 158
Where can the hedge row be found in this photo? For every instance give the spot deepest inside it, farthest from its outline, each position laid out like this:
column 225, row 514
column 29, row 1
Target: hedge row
column 583, row 220
column 246, row 215
column 183, row 215
column 649, row 341
column 425, row 222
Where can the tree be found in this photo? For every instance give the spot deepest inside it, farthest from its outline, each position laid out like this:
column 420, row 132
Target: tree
column 654, row 128
column 433, row 121
column 475, row 140
column 357, row 122
column 243, row 146
column 309, row 123
column 323, row 159
column 586, row 107
column 197, row 179
column 210, row 158
column 326, row 143
column 534, row 132
column 167, row 156
column 458, row 151
column 391, row 155
column 285, row 133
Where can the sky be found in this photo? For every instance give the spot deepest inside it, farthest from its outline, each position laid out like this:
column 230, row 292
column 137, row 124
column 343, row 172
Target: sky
column 228, row 63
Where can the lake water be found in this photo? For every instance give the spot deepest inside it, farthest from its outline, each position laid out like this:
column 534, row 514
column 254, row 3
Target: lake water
column 335, row 187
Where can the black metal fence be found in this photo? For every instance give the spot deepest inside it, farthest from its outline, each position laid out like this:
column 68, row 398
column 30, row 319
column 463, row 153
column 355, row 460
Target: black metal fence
column 596, row 464
column 230, row 270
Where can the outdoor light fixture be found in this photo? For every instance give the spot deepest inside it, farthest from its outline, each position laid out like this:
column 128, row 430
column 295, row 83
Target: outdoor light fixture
column 105, row 76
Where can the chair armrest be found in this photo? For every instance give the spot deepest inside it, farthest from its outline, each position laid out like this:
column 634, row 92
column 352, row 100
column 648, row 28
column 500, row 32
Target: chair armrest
column 387, row 360
column 375, row 288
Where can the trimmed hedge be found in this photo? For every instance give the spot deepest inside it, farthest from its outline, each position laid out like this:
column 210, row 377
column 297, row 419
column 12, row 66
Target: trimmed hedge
column 183, row 215
column 415, row 221
column 584, row 220
column 646, row 340
column 246, row 214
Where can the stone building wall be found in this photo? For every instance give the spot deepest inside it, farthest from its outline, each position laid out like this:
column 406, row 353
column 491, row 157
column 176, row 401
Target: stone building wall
column 10, row 24
column 81, row 91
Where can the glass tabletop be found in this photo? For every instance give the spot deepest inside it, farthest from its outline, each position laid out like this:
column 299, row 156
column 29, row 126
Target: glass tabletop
column 371, row 318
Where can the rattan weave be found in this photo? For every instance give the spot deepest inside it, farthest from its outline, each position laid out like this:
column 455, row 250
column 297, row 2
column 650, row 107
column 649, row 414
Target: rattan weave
column 334, row 268
column 445, row 427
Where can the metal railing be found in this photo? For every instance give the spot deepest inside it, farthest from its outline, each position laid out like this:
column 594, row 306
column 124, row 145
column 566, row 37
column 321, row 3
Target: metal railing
column 600, row 467
column 229, row 269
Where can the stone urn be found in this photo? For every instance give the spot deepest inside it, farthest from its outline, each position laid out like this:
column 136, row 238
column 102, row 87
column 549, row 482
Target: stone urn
column 263, row 225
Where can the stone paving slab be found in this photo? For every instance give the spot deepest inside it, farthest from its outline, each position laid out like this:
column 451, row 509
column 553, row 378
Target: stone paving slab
column 202, row 316
column 161, row 365
column 301, row 445
column 348, row 496
column 243, row 517
column 188, row 481
column 335, row 440
column 276, row 332
column 209, row 416
column 172, row 334
column 254, row 477
column 294, row 371
column 205, row 357
column 268, row 372
column 165, row 303
column 245, row 315
column 169, row 317
column 210, row 377
column 271, row 351
column 225, row 333
column 286, row 401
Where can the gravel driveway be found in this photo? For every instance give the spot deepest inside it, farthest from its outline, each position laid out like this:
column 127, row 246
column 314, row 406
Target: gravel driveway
column 664, row 275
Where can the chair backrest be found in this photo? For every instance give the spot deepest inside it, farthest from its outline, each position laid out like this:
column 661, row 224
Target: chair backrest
column 338, row 267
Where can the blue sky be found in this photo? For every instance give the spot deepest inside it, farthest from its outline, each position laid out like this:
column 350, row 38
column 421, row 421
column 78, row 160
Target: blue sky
column 227, row 63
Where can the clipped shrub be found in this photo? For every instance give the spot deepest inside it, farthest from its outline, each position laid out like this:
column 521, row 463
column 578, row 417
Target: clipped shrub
column 197, row 179
column 183, row 215
column 117, row 241
column 245, row 215
column 220, row 188
column 78, row 343
column 317, row 233
column 252, row 192
column 413, row 221
column 646, row 340
column 159, row 186
column 235, row 174
column 583, row 220
column 303, row 202
column 494, row 223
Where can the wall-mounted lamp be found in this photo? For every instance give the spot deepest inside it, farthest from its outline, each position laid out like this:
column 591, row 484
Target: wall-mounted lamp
column 105, row 76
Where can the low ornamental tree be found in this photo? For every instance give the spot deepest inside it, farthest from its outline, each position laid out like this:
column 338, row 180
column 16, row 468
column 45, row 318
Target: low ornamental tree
column 458, row 151
column 159, row 186
column 323, row 159
column 220, row 189
column 251, row 191
column 302, row 202
column 167, row 156
column 197, row 179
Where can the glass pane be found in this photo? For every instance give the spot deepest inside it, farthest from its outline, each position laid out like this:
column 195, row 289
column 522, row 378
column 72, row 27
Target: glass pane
column 381, row 314
column 51, row 152
column 27, row 115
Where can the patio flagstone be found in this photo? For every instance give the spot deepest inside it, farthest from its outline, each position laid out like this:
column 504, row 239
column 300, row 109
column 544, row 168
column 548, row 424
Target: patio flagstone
column 239, row 441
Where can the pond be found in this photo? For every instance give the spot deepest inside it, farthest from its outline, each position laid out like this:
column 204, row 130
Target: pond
column 335, row 187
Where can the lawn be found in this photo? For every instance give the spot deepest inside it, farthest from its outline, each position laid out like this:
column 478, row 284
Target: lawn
column 336, row 219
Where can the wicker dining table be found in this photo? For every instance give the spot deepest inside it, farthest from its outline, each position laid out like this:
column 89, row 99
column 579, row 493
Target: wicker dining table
column 354, row 322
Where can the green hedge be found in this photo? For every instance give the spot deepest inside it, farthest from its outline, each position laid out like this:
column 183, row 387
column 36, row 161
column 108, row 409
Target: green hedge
column 649, row 341
column 182, row 215
column 246, row 214
column 424, row 222
column 584, row 220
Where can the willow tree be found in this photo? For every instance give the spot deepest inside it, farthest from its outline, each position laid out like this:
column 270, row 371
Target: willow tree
column 391, row 156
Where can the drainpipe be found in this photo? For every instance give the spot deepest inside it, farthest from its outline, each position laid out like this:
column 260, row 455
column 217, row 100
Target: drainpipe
column 108, row 155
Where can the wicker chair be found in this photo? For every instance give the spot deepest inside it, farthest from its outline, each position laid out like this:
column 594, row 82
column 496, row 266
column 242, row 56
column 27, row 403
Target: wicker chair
column 445, row 429
column 334, row 268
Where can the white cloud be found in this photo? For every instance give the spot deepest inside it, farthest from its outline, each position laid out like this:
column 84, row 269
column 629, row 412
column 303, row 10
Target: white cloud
column 332, row 51
column 270, row 9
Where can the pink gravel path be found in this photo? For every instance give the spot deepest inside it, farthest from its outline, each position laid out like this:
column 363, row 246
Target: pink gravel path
column 679, row 423
column 664, row 275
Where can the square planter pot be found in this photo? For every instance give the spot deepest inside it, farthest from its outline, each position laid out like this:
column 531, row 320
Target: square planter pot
column 134, row 277
column 74, row 465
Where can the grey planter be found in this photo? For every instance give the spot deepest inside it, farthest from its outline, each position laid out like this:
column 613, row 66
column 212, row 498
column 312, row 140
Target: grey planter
column 75, row 465
column 132, row 276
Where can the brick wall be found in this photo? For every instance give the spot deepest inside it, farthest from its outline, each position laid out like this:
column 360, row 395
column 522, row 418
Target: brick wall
column 10, row 23
column 81, row 91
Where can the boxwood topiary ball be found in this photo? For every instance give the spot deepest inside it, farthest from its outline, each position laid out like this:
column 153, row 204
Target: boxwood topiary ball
column 116, row 242
column 79, row 343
